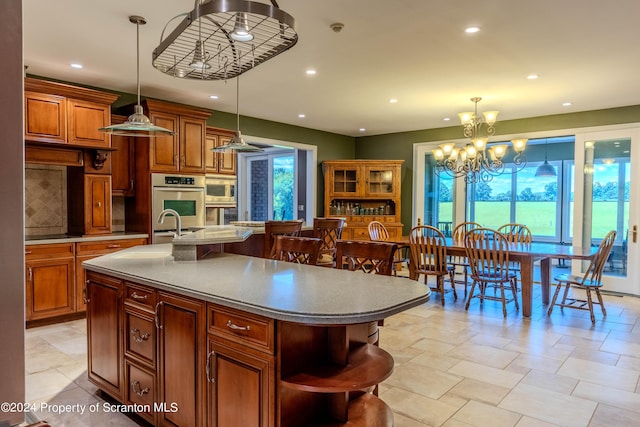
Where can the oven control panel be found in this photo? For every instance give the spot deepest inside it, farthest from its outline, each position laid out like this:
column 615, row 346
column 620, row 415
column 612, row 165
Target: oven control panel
column 179, row 180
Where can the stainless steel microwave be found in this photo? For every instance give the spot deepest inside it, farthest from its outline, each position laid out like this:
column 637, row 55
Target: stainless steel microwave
column 220, row 190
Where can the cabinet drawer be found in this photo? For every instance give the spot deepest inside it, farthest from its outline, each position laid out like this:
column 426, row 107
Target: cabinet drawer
column 244, row 328
column 360, row 233
column 107, row 245
column 141, row 389
column 55, row 250
column 140, row 339
column 141, row 296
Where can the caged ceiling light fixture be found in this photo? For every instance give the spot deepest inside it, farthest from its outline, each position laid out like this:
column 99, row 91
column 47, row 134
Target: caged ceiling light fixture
column 221, row 39
column 137, row 124
column 477, row 161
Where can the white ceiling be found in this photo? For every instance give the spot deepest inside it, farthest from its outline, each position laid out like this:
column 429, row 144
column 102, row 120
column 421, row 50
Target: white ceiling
column 585, row 52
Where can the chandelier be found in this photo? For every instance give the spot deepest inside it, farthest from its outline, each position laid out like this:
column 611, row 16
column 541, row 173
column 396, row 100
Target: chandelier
column 477, row 161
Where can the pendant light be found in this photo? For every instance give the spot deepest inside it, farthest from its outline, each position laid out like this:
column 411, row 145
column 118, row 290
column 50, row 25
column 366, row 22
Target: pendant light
column 137, row 124
column 237, row 143
column 546, row 169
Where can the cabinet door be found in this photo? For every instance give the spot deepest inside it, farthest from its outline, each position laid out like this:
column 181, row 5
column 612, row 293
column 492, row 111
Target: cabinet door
column 81, row 279
column 104, row 329
column 181, row 351
column 344, row 181
column 192, row 134
column 226, row 160
column 211, row 157
column 164, row 149
column 122, row 166
column 241, row 387
column 45, row 118
column 50, row 291
column 380, row 181
column 97, row 200
column 84, row 119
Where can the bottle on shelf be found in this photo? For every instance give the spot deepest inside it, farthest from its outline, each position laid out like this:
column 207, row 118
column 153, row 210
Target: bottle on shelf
column 387, row 209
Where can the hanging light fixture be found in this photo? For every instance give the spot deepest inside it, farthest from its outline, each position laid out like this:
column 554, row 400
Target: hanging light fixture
column 137, row 124
column 546, row 169
column 237, row 143
column 224, row 25
column 477, row 161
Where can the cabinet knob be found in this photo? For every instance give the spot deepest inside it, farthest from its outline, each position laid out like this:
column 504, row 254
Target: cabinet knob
column 137, row 336
column 99, row 204
column 135, row 386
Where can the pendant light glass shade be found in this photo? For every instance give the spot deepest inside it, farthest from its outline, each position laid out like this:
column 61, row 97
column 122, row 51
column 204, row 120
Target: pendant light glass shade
column 546, row 169
column 137, row 124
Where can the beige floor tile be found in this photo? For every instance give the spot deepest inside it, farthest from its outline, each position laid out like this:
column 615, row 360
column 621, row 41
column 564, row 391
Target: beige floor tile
column 540, row 363
column 42, row 385
column 400, row 420
column 628, row 362
column 532, row 422
column 484, row 354
column 593, row 355
column 607, row 416
column 581, row 342
column 482, row 415
column 46, row 357
column 490, row 340
column 550, row 381
column 612, row 396
column 627, row 348
column 549, row 406
column 428, row 411
column 426, row 382
column 438, row 361
column 434, row 346
column 452, row 422
column 486, row 374
column 471, row 389
column 624, row 379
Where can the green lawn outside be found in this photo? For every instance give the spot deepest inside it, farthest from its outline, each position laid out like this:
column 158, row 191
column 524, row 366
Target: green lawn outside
column 540, row 217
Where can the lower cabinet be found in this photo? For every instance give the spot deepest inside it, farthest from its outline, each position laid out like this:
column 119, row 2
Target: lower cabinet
column 49, row 281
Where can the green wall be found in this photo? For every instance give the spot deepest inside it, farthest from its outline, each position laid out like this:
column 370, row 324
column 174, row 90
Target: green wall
column 399, row 146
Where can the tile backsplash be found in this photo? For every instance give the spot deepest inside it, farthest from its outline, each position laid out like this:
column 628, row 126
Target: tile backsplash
column 45, row 188
column 45, row 199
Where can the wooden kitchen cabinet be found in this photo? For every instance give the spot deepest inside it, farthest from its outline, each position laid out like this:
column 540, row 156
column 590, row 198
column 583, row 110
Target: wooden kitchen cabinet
column 183, row 151
column 88, row 250
column 104, row 333
column 122, row 162
column 89, row 203
column 60, row 113
column 219, row 163
column 181, row 359
column 373, row 185
column 50, row 281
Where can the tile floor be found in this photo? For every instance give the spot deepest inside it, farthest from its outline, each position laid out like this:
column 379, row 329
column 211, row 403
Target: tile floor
column 453, row 368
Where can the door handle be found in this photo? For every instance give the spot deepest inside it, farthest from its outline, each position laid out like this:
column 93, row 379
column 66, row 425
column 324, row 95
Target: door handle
column 634, row 234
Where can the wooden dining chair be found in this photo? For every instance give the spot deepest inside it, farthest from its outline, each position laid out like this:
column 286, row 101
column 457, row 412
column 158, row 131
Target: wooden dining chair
column 368, row 257
column 278, row 228
column 460, row 263
column 329, row 230
column 488, row 255
column 516, row 233
column 591, row 280
column 300, row 250
column 428, row 255
column 379, row 233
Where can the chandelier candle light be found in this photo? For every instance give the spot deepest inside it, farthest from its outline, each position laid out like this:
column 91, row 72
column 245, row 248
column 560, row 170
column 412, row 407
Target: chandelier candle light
column 478, row 161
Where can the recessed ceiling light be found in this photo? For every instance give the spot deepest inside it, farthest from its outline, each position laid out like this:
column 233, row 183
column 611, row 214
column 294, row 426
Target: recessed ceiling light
column 310, row 72
column 78, row 66
column 393, row 100
column 302, row 116
column 567, row 104
column 471, row 30
column 213, row 96
column 362, row 129
column 532, row 76
column 446, row 119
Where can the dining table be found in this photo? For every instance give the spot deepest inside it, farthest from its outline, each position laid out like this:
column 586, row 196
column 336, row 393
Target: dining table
column 526, row 254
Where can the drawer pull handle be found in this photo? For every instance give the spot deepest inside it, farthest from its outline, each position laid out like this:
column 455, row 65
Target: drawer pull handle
column 114, row 246
column 135, row 386
column 135, row 295
column 137, row 336
column 235, row 327
column 208, row 367
column 156, row 317
column 27, row 252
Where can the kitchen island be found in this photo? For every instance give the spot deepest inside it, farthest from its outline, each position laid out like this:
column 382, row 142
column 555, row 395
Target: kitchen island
column 240, row 341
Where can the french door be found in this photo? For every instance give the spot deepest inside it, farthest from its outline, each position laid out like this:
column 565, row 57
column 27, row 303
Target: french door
column 607, row 197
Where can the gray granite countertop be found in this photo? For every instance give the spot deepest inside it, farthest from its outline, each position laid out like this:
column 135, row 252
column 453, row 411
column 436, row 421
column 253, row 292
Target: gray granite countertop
column 276, row 289
column 63, row 238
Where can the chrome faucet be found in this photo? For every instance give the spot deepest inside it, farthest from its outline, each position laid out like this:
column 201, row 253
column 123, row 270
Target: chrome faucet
column 176, row 215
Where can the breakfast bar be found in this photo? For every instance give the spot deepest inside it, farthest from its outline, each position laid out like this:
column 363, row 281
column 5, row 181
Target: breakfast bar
column 240, row 341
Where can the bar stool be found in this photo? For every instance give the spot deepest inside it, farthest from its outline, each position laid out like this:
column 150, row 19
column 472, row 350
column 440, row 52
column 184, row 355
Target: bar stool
column 278, row 228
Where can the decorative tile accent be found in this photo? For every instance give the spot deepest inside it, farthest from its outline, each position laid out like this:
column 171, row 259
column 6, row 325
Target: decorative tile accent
column 45, row 200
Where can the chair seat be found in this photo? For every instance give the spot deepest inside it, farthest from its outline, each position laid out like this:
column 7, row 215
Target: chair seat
column 578, row 281
column 432, row 270
column 498, row 276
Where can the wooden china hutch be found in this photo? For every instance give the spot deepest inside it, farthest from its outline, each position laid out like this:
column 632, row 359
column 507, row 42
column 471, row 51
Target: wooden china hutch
column 363, row 191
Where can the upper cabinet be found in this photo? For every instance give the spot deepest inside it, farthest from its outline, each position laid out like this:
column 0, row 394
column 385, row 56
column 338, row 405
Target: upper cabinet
column 220, row 163
column 122, row 162
column 64, row 114
column 184, row 151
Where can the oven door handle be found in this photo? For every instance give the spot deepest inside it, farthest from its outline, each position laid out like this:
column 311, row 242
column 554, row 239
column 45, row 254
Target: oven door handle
column 179, row 189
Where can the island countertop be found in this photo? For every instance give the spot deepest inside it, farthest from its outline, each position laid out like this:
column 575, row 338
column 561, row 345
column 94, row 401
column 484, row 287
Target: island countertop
column 280, row 290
